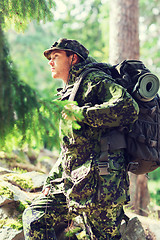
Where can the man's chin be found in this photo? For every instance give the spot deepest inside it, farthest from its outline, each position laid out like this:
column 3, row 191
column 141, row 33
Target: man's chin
column 54, row 75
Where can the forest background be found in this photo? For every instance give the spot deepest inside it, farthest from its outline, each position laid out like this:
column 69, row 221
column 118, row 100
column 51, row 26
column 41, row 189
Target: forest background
column 88, row 22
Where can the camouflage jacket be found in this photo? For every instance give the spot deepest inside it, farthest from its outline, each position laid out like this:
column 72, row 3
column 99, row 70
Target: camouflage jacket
column 104, row 105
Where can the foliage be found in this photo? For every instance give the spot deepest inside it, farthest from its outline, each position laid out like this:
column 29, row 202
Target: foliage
column 154, row 190
column 27, row 50
column 19, row 12
column 155, row 175
column 21, row 108
column 37, row 127
column 82, row 20
column 17, row 102
column 154, row 185
column 25, row 116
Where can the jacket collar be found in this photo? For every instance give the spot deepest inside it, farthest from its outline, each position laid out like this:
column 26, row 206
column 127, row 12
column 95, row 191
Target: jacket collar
column 78, row 68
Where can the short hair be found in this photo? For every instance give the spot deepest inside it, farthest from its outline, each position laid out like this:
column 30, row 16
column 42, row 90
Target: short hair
column 69, row 53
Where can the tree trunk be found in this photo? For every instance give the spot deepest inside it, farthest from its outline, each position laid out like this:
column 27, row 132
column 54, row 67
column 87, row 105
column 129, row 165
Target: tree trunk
column 139, row 194
column 1, row 61
column 124, row 30
column 124, row 44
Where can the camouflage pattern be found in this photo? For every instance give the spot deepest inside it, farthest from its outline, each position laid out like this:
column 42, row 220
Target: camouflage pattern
column 69, row 45
column 99, row 199
column 42, row 217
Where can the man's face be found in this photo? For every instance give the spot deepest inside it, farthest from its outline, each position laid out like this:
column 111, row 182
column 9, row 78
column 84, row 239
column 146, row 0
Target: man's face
column 60, row 64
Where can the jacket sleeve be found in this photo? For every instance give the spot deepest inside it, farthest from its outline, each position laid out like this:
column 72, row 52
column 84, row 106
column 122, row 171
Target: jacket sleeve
column 114, row 105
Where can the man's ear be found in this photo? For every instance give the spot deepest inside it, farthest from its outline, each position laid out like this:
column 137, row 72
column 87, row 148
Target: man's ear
column 75, row 59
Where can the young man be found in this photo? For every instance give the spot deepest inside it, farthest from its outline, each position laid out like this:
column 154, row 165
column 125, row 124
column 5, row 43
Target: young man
column 90, row 177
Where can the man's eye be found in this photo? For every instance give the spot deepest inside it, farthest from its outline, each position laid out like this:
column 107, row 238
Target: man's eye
column 54, row 57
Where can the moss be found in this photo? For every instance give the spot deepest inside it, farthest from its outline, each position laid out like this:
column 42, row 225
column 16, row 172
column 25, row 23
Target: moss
column 12, row 223
column 5, row 191
column 2, row 222
column 15, row 224
column 23, row 182
column 22, row 206
column 19, row 170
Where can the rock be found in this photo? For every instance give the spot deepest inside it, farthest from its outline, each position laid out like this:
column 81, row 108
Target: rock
column 17, row 189
column 29, row 181
column 150, row 225
column 46, row 160
column 12, row 203
column 47, row 153
column 5, row 171
column 150, row 235
column 15, row 195
column 133, row 230
column 16, row 159
column 45, row 164
column 32, row 155
column 7, row 233
column 21, row 155
column 37, row 178
column 11, row 193
column 4, row 201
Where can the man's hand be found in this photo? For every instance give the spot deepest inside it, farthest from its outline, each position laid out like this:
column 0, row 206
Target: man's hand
column 71, row 108
column 46, row 191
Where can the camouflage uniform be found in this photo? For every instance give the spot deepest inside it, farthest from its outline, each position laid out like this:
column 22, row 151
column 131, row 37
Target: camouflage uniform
column 76, row 187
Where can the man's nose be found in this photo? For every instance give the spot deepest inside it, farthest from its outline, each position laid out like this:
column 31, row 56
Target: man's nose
column 51, row 62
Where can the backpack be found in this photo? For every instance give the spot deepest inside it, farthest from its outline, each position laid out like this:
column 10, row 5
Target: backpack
column 142, row 142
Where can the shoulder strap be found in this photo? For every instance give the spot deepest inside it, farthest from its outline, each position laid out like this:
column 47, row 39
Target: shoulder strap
column 78, row 82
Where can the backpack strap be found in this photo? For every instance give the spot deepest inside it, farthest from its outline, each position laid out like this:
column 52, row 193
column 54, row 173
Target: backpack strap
column 78, row 82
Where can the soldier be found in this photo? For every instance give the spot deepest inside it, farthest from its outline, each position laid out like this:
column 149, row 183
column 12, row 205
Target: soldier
column 90, row 177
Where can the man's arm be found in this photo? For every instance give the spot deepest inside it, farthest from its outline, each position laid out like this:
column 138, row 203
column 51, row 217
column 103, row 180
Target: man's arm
column 109, row 104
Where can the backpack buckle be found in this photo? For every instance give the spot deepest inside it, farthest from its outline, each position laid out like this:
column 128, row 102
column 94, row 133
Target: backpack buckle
column 103, row 168
column 132, row 166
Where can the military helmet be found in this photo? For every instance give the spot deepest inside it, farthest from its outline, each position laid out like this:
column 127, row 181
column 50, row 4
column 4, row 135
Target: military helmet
column 67, row 45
